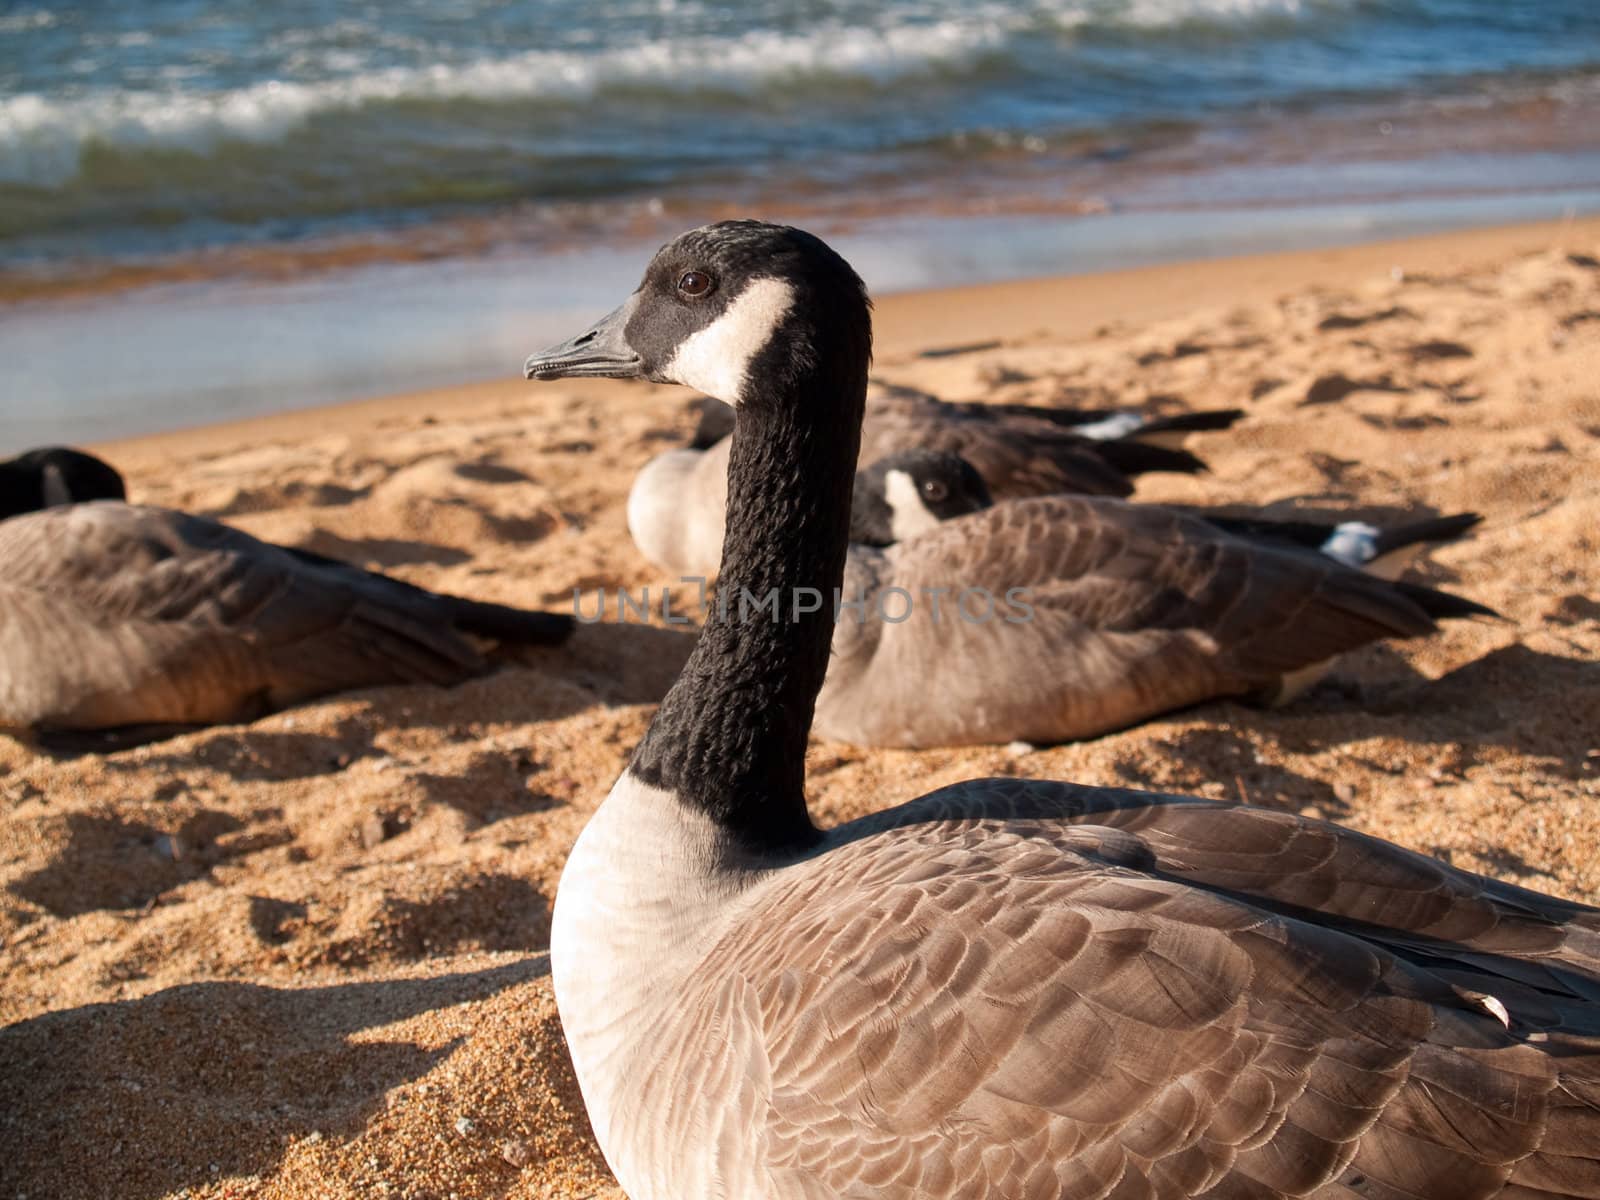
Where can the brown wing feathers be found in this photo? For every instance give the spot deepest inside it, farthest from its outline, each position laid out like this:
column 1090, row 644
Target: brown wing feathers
column 184, row 620
column 1154, row 1030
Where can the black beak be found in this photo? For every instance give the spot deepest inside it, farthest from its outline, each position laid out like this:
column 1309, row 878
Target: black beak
column 602, row 352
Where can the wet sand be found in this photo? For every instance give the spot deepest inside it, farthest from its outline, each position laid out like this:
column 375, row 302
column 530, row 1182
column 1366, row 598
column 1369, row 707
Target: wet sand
column 306, row 957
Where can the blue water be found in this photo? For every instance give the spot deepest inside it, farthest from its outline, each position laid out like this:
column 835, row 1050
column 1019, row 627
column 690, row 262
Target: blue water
column 176, row 124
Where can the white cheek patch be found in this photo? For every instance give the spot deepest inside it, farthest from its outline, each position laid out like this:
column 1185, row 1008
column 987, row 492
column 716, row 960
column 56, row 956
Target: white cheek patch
column 910, row 516
column 717, row 359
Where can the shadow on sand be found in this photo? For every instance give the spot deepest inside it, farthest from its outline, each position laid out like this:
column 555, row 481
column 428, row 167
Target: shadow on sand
column 98, row 1091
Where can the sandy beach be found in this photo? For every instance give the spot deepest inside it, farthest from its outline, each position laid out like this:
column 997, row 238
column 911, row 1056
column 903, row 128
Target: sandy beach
column 307, row 957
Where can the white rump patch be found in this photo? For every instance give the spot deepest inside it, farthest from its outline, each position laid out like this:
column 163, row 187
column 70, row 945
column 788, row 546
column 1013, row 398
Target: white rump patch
column 1109, row 429
column 910, row 516
column 716, row 360
column 1354, row 543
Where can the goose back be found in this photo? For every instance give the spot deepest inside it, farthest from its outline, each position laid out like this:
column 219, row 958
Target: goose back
column 114, row 614
column 1033, row 990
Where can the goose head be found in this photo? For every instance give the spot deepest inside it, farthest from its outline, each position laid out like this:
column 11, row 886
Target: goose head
column 55, row 475
column 911, row 492
column 721, row 308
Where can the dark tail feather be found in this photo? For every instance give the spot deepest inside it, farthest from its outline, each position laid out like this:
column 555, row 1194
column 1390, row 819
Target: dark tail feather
column 1193, row 422
column 1308, row 535
column 506, row 624
column 1434, row 529
column 1444, row 606
column 1072, row 418
column 1135, row 458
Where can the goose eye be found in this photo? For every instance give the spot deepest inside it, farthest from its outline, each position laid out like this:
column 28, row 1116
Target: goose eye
column 694, row 283
column 934, row 490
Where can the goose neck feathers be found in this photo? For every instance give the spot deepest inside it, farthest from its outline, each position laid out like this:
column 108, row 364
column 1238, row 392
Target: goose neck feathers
column 771, row 320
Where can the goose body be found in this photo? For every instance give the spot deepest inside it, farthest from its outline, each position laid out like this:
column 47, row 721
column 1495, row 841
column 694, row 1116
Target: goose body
column 676, row 505
column 1006, row 989
column 675, row 508
column 115, row 615
column 1059, row 617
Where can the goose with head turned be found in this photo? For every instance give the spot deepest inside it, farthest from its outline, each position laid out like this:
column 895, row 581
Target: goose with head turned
column 676, row 504
column 1051, row 618
column 121, row 622
column 55, row 475
column 1005, row 988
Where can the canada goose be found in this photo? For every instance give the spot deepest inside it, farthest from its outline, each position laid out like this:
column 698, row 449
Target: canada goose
column 915, row 490
column 1005, row 989
column 55, row 475
column 675, row 507
column 1050, row 618
column 122, row 617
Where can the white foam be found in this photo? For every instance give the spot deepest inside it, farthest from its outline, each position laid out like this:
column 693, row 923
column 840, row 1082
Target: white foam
column 26, row 20
column 1159, row 13
column 42, row 137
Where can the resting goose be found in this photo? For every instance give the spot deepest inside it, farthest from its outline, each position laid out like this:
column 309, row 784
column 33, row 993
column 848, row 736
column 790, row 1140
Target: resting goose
column 913, row 491
column 1051, row 618
column 55, row 475
column 1005, row 989
column 675, row 507
column 123, row 617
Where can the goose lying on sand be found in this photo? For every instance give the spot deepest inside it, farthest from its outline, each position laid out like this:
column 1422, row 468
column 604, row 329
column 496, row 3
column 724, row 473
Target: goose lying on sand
column 1058, row 617
column 675, row 507
column 122, row 617
column 1006, row 989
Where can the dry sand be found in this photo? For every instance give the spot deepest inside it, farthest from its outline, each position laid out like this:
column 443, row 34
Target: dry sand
column 306, row 957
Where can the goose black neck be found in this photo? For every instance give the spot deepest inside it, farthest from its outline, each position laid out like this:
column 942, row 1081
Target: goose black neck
column 730, row 737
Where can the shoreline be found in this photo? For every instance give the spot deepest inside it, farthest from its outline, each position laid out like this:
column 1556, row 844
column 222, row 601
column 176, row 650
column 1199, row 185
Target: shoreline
column 170, row 358
column 915, row 320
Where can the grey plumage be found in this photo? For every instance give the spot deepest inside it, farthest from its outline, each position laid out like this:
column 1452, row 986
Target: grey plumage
column 117, row 615
column 1033, row 991
column 1061, row 617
